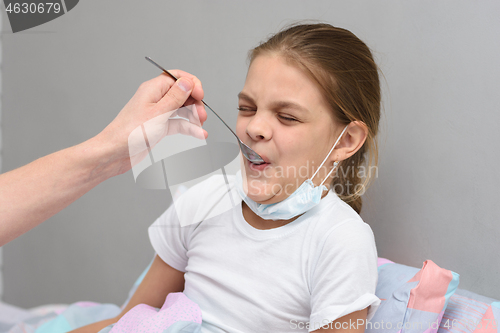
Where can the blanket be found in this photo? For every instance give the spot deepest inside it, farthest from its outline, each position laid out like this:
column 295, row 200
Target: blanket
column 178, row 314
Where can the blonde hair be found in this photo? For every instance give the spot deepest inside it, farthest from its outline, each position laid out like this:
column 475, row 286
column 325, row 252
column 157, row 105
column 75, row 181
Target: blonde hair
column 344, row 69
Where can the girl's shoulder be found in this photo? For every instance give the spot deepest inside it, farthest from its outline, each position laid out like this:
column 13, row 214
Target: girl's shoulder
column 334, row 208
column 333, row 215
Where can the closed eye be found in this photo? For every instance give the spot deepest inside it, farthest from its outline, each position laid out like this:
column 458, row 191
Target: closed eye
column 282, row 117
column 287, row 118
column 245, row 109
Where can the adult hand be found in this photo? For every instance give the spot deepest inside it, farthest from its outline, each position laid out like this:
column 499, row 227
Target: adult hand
column 149, row 114
column 34, row 192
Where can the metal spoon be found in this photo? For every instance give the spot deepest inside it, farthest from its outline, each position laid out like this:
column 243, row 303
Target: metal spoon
column 247, row 151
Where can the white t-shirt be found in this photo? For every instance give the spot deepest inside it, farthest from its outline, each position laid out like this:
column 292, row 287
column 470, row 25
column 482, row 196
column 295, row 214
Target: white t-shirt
column 295, row 278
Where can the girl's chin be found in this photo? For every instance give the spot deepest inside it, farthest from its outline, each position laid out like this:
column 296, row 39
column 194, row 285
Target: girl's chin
column 265, row 197
column 265, row 192
column 260, row 197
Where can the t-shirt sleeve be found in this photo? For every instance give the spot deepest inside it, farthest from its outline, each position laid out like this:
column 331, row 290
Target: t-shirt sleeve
column 171, row 233
column 345, row 276
column 170, row 240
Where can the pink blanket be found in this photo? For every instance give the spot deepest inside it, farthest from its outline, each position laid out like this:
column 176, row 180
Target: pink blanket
column 178, row 312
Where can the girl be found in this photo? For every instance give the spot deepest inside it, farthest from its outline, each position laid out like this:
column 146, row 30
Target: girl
column 292, row 255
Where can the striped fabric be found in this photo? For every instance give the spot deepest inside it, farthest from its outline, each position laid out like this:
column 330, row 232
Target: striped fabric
column 413, row 300
column 468, row 312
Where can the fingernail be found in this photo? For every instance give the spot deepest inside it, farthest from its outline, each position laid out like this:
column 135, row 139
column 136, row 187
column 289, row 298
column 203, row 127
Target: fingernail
column 184, row 84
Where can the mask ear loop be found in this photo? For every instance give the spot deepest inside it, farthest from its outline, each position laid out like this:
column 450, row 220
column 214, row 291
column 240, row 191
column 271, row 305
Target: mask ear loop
column 334, row 166
column 334, row 145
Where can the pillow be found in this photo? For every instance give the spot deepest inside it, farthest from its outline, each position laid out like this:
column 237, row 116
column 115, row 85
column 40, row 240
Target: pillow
column 470, row 312
column 413, row 300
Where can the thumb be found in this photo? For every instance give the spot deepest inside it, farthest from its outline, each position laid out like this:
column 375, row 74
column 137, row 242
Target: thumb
column 176, row 96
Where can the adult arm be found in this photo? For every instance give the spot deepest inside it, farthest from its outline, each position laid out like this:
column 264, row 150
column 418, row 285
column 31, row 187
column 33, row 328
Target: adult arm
column 31, row 194
column 160, row 280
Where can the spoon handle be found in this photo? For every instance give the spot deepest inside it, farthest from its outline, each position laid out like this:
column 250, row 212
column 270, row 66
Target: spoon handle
column 173, row 77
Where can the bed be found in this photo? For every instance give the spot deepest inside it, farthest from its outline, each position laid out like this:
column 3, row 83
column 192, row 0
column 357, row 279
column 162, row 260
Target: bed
column 425, row 299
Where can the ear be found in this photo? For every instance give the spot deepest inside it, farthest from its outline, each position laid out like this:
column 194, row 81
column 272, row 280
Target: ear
column 352, row 140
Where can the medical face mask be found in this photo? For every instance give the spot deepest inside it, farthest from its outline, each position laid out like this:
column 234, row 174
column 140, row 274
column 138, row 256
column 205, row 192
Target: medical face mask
column 305, row 197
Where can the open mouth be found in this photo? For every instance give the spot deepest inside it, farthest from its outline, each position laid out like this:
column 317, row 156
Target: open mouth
column 258, row 167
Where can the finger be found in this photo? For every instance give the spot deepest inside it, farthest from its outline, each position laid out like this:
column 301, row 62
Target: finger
column 153, row 90
column 189, row 113
column 180, row 126
column 175, row 97
column 190, row 101
column 195, row 113
column 197, row 90
column 202, row 112
column 200, row 107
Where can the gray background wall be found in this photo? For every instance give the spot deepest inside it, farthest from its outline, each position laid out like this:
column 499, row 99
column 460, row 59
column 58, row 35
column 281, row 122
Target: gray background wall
column 1, row 248
column 437, row 188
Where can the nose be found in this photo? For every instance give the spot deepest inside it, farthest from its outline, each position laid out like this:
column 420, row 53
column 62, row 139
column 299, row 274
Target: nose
column 259, row 128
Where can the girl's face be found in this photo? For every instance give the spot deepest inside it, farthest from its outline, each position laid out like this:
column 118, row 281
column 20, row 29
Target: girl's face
column 286, row 120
